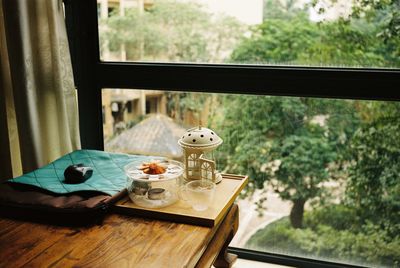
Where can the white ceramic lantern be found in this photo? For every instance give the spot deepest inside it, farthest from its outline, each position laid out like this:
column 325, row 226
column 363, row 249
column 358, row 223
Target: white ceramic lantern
column 197, row 143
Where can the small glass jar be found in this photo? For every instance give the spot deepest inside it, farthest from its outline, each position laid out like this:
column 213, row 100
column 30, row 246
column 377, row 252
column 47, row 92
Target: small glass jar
column 154, row 191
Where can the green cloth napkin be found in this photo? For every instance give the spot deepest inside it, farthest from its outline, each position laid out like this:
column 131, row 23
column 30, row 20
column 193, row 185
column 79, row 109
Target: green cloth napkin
column 108, row 172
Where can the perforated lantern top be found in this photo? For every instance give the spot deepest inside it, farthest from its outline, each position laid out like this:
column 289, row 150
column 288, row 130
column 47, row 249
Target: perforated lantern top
column 200, row 138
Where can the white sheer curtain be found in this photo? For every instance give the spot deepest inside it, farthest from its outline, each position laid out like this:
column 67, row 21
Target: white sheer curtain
column 38, row 101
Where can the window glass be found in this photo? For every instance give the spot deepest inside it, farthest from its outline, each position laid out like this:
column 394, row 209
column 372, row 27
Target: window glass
column 324, row 173
column 286, row 32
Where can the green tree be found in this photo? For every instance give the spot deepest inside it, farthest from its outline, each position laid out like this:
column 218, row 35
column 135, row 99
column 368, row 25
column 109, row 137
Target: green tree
column 304, row 166
column 327, row 235
column 171, row 31
column 283, row 9
column 292, row 143
column 341, row 43
column 378, row 21
column 287, row 36
column 374, row 179
column 292, row 157
column 384, row 13
column 278, row 41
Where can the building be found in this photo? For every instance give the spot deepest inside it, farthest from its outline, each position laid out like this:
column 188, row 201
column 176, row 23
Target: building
column 123, row 106
column 120, row 107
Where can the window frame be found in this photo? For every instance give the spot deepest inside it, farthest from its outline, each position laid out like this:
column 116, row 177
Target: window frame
column 91, row 75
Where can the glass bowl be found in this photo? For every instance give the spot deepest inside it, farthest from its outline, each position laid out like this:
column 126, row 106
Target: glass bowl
column 157, row 190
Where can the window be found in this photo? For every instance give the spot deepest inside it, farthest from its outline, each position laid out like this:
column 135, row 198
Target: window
column 244, row 81
column 310, row 180
column 207, row 168
column 300, row 33
column 129, row 106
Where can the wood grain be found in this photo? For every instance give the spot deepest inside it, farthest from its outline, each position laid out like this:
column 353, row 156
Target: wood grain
column 226, row 192
column 216, row 251
column 121, row 241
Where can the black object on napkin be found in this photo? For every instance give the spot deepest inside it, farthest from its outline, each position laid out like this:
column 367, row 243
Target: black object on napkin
column 78, row 173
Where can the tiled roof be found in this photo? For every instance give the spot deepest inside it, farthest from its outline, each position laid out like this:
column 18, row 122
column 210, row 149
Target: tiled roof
column 157, row 135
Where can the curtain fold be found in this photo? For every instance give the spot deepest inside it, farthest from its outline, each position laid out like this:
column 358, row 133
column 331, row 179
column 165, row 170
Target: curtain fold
column 37, row 85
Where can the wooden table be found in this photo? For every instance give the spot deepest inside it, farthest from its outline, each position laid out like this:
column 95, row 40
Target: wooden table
column 121, row 241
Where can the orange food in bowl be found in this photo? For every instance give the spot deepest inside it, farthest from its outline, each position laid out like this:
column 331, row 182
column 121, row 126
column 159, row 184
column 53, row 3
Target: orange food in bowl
column 153, row 168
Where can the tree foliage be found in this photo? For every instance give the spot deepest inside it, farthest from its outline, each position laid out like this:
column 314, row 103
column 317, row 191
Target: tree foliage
column 292, row 143
column 171, row 31
column 304, row 155
column 287, row 36
column 277, row 41
column 373, row 184
column 385, row 14
column 287, row 9
column 328, row 234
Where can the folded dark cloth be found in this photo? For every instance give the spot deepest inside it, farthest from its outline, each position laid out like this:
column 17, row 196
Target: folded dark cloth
column 28, row 202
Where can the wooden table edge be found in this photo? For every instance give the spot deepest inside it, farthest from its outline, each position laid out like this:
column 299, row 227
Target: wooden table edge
column 215, row 250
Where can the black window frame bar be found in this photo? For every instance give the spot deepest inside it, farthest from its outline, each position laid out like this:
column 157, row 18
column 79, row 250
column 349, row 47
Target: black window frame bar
column 92, row 75
column 291, row 261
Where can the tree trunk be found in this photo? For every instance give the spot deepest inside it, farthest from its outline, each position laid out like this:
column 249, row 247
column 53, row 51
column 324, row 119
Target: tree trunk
column 296, row 214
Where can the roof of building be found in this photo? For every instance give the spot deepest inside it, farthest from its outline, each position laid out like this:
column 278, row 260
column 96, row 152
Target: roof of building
column 157, row 135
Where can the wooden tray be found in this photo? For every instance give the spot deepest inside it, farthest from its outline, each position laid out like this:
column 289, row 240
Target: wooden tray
column 226, row 192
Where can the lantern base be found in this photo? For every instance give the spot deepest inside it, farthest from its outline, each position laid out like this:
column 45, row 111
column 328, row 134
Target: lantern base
column 218, row 178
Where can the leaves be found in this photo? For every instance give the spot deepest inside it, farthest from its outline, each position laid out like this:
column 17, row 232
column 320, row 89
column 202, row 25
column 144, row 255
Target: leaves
column 172, row 31
column 373, row 183
column 295, row 144
column 329, row 234
column 295, row 40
